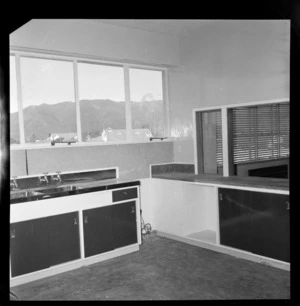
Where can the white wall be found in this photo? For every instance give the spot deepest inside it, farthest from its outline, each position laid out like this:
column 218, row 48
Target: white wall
column 97, row 39
column 226, row 62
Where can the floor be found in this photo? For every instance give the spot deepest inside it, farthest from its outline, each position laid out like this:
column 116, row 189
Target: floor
column 164, row 269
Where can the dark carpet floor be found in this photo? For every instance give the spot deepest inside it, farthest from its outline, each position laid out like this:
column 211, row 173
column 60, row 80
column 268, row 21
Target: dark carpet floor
column 164, row 269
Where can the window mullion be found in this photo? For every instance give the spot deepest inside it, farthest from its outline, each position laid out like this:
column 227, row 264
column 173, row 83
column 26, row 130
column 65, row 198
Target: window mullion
column 166, row 103
column 224, row 120
column 77, row 100
column 20, row 100
column 127, row 103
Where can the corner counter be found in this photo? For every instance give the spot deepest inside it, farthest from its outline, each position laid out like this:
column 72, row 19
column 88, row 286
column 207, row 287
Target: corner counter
column 248, row 183
column 203, row 209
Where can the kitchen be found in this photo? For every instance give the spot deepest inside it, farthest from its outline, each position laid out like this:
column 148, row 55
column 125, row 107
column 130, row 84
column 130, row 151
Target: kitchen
column 189, row 134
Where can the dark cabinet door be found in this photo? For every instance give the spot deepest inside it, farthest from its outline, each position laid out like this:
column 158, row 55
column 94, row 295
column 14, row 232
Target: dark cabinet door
column 98, row 230
column 125, row 230
column 270, row 225
column 29, row 246
column 235, row 218
column 63, row 238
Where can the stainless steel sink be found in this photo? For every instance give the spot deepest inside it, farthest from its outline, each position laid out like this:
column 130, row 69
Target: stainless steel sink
column 24, row 194
column 42, row 193
column 58, row 189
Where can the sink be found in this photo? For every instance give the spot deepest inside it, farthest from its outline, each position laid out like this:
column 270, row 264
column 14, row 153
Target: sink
column 58, row 189
column 42, row 193
column 24, row 194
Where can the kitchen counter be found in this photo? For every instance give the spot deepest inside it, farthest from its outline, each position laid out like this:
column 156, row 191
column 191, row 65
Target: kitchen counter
column 67, row 188
column 214, row 179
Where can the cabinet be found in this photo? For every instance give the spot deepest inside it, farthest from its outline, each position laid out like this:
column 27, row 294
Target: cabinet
column 125, row 231
column 63, row 231
column 271, row 225
column 110, row 227
column 29, row 246
column 40, row 243
column 98, row 230
column 257, row 222
column 235, row 218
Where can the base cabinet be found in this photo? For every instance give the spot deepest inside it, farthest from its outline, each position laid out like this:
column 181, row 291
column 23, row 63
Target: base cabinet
column 98, row 230
column 235, row 218
column 271, row 225
column 125, row 232
column 64, row 242
column 256, row 222
column 29, row 246
column 110, row 227
column 41, row 243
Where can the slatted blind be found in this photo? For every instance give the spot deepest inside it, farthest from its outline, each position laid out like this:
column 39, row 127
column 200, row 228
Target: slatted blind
column 219, row 147
column 261, row 132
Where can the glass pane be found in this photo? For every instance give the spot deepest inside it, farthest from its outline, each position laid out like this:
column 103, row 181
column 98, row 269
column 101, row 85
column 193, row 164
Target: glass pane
column 147, row 108
column 209, row 142
column 102, row 102
column 48, row 99
column 14, row 116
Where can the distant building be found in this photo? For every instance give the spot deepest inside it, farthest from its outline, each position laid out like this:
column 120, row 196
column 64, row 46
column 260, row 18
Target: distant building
column 110, row 134
column 63, row 137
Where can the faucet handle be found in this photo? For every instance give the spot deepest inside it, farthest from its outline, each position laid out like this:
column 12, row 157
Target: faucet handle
column 45, row 173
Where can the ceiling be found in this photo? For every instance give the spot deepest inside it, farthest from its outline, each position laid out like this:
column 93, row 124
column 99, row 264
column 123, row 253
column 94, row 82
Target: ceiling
column 177, row 27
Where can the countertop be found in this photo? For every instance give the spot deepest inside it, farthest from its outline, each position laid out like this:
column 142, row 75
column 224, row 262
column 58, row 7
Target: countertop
column 78, row 188
column 213, row 179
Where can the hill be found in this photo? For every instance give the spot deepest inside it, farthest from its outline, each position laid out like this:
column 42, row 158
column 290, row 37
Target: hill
column 96, row 115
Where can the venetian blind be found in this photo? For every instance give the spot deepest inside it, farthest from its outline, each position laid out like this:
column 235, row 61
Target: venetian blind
column 260, row 132
column 219, row 147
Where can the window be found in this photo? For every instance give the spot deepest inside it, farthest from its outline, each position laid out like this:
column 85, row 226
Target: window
column 209, row 142
column 83, row 100
column 146, row 95
column 48, row 98
column 102, row 101
column 14, row 115
column 260, row 132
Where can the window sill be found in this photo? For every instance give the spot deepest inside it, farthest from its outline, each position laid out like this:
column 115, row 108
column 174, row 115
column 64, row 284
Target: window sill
column 81, row 144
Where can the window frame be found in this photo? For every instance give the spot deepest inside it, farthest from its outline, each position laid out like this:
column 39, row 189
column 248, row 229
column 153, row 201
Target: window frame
column 226, row 130
column 75, row 59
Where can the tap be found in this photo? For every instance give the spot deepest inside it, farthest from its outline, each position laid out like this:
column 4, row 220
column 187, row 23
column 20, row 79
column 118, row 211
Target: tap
column 13, row 182
column 57, row 178
column 44, row 178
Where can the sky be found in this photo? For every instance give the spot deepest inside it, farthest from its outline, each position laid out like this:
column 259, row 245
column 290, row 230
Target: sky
column 52, row 81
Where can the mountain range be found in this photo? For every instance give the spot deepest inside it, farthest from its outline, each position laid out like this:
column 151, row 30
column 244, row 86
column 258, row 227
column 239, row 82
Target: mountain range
column 96, row 115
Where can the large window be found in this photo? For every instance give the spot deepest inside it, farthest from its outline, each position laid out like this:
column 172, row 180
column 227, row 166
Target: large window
column 14, row 115
column 48, row 98
column 102, row 100
column 84, row 100
column 147, row 107
column 244, row 140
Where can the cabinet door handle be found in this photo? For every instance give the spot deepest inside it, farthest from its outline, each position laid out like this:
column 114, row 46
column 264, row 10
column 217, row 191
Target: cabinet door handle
column 220, row 196
column 132, row 209
column 85, row 219
column 12, row 233
column 287, row 205
column 125, row 192
column 75, row 221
